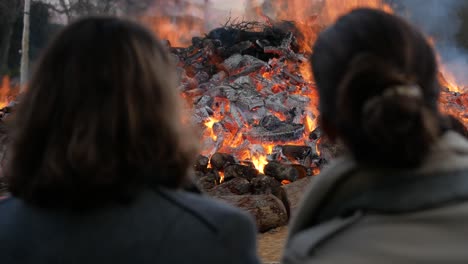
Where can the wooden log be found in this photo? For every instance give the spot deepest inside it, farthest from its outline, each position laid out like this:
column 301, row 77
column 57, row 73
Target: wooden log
column 236, row 186
column 207, row 180
column 295, row 192
column 268, row 211
column 220, row 160
column 296, row 153
column 263, row 184
column 239, row 171
column 206, row 183
column 286, row 132
column 281, row 172
column 302, row 170
column 201, row 163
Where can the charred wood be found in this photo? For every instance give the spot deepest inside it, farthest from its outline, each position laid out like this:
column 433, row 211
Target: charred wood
column 281, row 172
column 239, row 171
column 268, row 211
column 206, row 183
column 263, row 184
column 296, row 153
column 201, row 163
column 236, row 186
column 282, row 133
column 316, row 134
column 220, row 160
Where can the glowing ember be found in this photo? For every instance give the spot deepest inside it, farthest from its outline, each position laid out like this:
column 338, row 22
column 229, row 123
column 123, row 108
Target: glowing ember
column 221, row 177
column 209, row 125
column 284, row 182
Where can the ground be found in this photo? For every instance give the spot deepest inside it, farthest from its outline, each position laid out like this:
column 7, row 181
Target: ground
column 271, row 244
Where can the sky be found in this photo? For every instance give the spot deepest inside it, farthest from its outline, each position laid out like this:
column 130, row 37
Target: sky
column 229, row 4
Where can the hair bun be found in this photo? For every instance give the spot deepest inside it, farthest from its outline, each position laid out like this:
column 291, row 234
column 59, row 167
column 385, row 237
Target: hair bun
column 394, row 121
column 400, row 126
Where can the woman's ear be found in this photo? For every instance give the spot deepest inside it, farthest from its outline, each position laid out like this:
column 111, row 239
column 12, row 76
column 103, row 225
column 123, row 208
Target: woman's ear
column 329, row 129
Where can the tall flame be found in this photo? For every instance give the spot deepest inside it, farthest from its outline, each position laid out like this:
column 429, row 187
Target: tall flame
column 333, row 9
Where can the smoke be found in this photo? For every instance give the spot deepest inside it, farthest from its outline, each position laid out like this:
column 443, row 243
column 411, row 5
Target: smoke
column 441, row 20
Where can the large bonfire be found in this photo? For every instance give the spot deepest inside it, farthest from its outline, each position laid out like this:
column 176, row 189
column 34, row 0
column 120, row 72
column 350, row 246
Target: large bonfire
column 234, row 91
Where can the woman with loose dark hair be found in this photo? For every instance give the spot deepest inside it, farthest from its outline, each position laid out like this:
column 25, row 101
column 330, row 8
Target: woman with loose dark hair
column 99, row 156
column 400, row 193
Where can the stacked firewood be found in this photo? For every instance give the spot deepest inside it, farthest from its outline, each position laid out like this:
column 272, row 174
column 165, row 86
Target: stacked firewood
column 247, row 77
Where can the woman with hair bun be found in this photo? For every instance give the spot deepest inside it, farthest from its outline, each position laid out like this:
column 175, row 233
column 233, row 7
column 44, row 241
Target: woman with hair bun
column 400, row 193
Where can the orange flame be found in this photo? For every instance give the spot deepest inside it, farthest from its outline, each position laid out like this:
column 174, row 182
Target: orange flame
column 209, row 125
column 260, row 163
column 221, row 177
column 6, row 91
column 285, row 182
column 333, row 9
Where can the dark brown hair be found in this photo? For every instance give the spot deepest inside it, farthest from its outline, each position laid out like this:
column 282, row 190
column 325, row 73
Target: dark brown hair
column 101, row 119
column 356, row 62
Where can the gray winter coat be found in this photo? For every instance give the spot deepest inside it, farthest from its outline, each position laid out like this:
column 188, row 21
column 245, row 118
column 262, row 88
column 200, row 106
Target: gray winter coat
column 357, row 215
column 161, row 226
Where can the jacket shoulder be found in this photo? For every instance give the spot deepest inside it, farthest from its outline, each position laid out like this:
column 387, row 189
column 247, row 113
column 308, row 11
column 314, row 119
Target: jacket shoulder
column 304, row 244
column 212, row 213
column 232, row 235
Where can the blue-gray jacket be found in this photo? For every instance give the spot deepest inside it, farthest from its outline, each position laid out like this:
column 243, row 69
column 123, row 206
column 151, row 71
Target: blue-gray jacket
column 160, row 226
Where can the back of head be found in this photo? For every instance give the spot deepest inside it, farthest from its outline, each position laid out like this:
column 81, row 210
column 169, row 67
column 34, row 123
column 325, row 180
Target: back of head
column 378, row 88
column 101, row 119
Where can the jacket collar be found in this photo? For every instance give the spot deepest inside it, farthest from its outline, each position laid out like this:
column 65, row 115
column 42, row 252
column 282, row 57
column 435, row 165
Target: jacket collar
column 343, row 186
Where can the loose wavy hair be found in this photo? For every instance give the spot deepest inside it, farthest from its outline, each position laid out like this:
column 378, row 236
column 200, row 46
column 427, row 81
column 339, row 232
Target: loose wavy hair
column 101, row 120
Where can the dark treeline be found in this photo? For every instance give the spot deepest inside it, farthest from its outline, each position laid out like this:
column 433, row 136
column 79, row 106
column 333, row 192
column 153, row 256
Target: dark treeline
column 41, row 31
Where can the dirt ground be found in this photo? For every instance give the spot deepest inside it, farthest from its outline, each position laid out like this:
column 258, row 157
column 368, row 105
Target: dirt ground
column 271, row 243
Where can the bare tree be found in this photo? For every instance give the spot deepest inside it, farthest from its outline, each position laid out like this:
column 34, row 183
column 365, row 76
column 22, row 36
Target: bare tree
column 9, row 11
column 25, row 45
column 72, row 9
